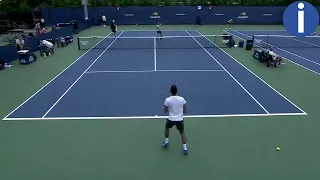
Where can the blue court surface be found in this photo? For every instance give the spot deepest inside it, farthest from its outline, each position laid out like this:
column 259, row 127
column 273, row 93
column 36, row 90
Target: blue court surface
column 124, row 81
column 300, row 51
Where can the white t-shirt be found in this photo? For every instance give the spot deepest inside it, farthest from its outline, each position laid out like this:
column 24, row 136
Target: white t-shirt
column 104, row 18
column 47, row 43
column 175, row 107
column 274, row 55
column 20, row 42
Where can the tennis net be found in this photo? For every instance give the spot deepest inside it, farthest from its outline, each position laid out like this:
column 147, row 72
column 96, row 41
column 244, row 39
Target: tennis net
column 268, row 41
column 166, row 42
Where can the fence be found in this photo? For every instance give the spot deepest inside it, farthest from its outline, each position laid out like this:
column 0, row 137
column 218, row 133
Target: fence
column 171, row 14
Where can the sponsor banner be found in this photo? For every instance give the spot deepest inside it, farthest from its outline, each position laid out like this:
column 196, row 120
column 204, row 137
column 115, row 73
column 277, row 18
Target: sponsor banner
column 180, row 14
column 243, row 16
column 155, row 15
column 267, row 14
column 219, row 14
column 129, row 15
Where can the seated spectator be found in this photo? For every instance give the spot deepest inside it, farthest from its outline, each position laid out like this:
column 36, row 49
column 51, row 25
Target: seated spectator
column 275, row 57
column 19, row 43
column 46, row 44
column 42, row 23
column 38, row 29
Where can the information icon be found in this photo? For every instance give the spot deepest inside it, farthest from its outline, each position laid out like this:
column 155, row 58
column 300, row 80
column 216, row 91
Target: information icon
column 301, row 18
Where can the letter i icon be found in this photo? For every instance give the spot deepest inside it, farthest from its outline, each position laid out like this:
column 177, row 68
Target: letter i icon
column 300, row 18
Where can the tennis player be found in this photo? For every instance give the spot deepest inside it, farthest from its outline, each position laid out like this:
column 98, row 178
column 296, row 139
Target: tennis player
column 229, row 23
column 113, row 27
column 104, row 20
column 175, row 105
column 159, row 32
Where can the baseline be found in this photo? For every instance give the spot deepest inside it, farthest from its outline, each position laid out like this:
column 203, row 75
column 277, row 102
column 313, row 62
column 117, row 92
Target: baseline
column 153, row 117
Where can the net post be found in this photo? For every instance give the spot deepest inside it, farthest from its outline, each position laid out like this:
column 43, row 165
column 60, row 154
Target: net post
column 78, row 43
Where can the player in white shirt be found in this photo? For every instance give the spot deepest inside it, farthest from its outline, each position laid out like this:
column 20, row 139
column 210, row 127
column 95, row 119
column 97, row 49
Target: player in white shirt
column 276, row 57
column 104, row 20
column 175, row 105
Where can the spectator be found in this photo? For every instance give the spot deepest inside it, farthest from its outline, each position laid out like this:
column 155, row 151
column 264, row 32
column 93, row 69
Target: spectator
column 42, row 23
column 20, row 43
column 38, row 29
column 275, row 57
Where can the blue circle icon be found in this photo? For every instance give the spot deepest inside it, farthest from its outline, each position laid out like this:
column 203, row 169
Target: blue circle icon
column 301, row 18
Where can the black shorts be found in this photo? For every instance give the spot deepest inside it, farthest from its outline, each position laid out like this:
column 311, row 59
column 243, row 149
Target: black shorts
column 228, row 23
column 159, row 32
column 178, row 124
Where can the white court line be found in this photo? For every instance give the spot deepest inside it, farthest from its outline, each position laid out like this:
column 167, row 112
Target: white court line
column 80, row 76
column 151, row 71
column 257, row 75
column 153, row 117
column 304, row 42
column 55, row 77
column 229, row 73
column 283, row 50
column 283, row 36
column 286, row 58
column 155, row 53
column 143, row 30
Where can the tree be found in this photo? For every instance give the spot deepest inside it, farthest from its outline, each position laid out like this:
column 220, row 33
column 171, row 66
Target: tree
column 33, row 3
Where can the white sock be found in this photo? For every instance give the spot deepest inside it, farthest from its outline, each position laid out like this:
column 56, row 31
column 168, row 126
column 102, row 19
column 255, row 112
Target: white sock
column 184, row 146
column 166, row 140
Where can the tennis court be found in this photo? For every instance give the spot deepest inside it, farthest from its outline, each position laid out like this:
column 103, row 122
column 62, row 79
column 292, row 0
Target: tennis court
column 229, row 143
column 127, row 75
column 302, row 51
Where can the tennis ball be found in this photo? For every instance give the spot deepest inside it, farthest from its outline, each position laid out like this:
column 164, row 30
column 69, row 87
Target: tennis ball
column 278, row 149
